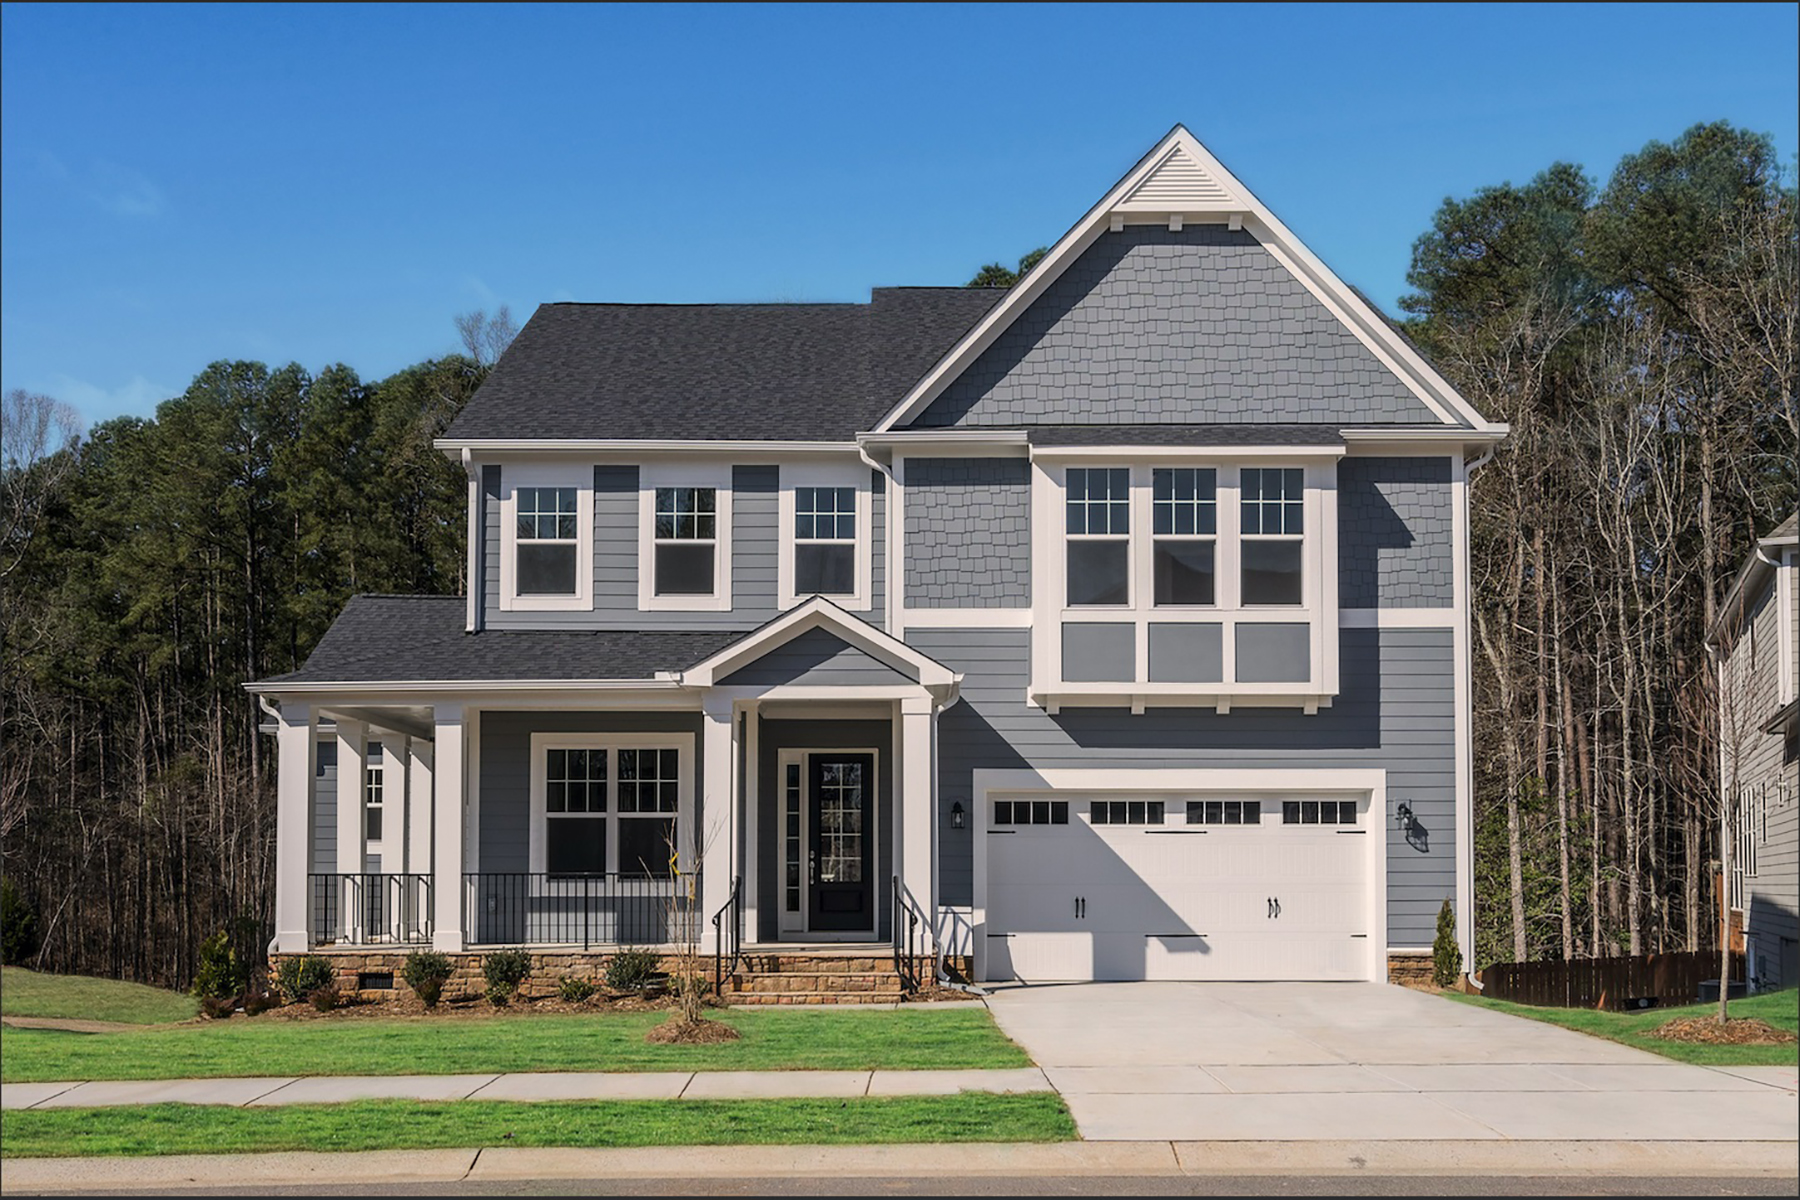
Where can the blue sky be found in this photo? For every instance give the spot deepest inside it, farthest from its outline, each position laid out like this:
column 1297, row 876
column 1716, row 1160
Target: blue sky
column 320, row 183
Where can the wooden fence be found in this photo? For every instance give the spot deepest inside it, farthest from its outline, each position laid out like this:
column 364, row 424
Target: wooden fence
column 1615, row 984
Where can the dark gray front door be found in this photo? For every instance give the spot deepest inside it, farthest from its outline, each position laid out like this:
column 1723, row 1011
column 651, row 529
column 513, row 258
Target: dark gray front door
column 841, row 862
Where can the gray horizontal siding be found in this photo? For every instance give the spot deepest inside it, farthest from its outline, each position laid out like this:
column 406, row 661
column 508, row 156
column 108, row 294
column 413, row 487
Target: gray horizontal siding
column 504, row 833
column 968, row 533
column 755, row 557
column 1394, row 533
column 1396, row 712
column 324, row 832
column 1151, row 326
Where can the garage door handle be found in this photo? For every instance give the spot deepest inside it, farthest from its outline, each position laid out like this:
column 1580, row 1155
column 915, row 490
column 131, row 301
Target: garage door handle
column 1277, row 903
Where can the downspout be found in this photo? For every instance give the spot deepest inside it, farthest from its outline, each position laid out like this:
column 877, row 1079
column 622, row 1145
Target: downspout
column 1469, row 469
column 890, row 576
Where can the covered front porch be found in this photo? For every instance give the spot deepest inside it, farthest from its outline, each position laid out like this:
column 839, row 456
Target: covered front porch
column 775, row 794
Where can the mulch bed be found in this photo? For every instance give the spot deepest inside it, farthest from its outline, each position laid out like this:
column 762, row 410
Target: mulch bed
column 678, row 1032
column 1739, row 1031
column 407, row 1005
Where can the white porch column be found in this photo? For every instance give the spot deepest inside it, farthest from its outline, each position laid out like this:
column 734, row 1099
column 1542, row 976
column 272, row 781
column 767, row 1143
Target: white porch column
column 918, row 819
column 418, row 806
column 294, row 763
column 449, row 786
column 716, row 838
column 752, row 804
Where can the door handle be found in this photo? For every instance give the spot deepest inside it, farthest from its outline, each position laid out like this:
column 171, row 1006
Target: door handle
column 812, row 866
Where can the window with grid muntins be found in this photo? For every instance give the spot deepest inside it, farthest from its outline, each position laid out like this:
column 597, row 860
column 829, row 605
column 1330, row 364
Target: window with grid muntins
column 686, row 540
column 373, row 790
column 824, row 541
column 1273, row 500
column 1031, row 812
column 648, row 799
column 1224, row 812
column 546, row 532
column 1272, row 521
column 791, row 831
column 576, row 811
column 1184, row 507
column 1318, row 812
column 1098, row 522
column 1126, row 812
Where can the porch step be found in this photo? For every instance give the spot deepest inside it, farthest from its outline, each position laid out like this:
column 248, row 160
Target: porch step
column 816, row 964
column 764, row 998
column 815, row 982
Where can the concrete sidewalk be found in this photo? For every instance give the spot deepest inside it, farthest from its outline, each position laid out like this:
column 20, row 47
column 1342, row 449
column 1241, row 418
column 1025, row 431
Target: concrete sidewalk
column 589, row 1085
column 371, row 1171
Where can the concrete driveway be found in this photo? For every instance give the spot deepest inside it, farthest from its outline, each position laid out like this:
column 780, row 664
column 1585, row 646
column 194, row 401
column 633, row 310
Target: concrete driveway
column 1362, row 1061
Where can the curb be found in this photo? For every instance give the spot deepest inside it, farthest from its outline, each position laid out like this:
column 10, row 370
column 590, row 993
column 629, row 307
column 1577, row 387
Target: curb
column 368, row 1170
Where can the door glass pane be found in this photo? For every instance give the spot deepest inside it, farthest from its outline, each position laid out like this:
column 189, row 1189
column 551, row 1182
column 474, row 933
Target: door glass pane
column 840, row 822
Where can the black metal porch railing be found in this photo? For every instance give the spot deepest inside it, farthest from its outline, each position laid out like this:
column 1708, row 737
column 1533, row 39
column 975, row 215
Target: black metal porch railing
column 370, row 908
column 911, row 954
column 529, row 908
column 728, row 935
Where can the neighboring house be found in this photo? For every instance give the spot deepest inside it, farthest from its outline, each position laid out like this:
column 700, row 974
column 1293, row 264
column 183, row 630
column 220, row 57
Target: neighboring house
column 1113, row 626
column 1756, row 644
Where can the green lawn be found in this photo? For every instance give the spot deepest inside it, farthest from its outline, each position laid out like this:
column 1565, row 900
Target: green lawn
column 30, row 994
column 1780, row 1009
column 409, row 1125
column 772, row 1040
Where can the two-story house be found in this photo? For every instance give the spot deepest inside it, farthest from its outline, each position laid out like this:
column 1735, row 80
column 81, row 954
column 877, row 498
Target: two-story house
column 1755, row 642
column 1111, row 626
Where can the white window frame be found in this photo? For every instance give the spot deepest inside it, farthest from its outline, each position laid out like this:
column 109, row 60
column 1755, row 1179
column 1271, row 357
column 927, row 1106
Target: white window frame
column 375, row 761
column 682, row 743
column 512, row 478
column 838, row 475
column 1319, row 583
column 1306, row 574
column 1134, row 522
column 652, row 477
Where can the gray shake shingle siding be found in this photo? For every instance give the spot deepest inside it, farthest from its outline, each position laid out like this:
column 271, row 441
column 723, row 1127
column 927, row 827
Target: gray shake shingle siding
column 1394, row 533
column 752, row 372
column 1149, row 326
column 968, row 533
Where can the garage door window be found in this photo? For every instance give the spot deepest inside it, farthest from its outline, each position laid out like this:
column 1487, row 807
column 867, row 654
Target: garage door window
column 1126, row 812
column 1031, row 812
column 1224, row 812
column 1318, row 812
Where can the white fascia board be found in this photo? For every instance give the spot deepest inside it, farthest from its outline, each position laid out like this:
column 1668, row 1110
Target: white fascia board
column 1357, row 315
column 1415, row 441
column 948, row 443
column 412, row 689
column 814, row 614
column 1220, row 453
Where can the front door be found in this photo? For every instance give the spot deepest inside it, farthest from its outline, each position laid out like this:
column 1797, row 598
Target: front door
column 841, row 860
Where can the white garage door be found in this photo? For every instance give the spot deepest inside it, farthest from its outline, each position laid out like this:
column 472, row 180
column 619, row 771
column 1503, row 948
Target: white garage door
column 1177, row 887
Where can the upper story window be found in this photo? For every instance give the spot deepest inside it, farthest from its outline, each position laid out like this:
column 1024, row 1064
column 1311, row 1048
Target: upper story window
column 1272, row 530
column 827, row 526
column 684, row 538
column 1098, row 505
column 1185, row 509
column 547, row 541
column 825, row 541
column 687, row 541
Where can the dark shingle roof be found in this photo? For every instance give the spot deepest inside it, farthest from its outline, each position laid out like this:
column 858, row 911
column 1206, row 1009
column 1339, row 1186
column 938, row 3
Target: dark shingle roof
column 752, row 372
column 1184, row 435
column 383, row 639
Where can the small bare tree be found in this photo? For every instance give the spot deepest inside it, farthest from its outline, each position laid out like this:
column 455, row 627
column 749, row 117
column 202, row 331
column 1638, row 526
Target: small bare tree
column 685, row 923
column 486, row 338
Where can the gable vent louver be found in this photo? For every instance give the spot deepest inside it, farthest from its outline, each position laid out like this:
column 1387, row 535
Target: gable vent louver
column 1179, row 183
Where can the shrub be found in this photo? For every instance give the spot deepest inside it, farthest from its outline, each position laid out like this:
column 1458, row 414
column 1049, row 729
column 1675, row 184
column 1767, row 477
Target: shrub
column 426, row 972
column 1446, row 956
column 300, row 977
column 324, row 998
column 632, row 969
column 504, row 971
column 259, row 999
column 18, row 925
column 221, row 973
column 218, row 1007
column 574, row 990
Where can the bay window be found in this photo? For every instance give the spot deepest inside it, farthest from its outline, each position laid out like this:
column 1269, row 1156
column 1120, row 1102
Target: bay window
column 1098, row 521
column 1185, row 508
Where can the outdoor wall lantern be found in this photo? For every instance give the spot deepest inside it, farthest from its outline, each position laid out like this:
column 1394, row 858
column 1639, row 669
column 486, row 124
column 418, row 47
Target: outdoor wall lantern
column 1403, row 815
column 956, row 815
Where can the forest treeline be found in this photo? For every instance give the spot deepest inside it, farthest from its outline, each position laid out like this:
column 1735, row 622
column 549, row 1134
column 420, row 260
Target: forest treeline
column 1638, row 333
